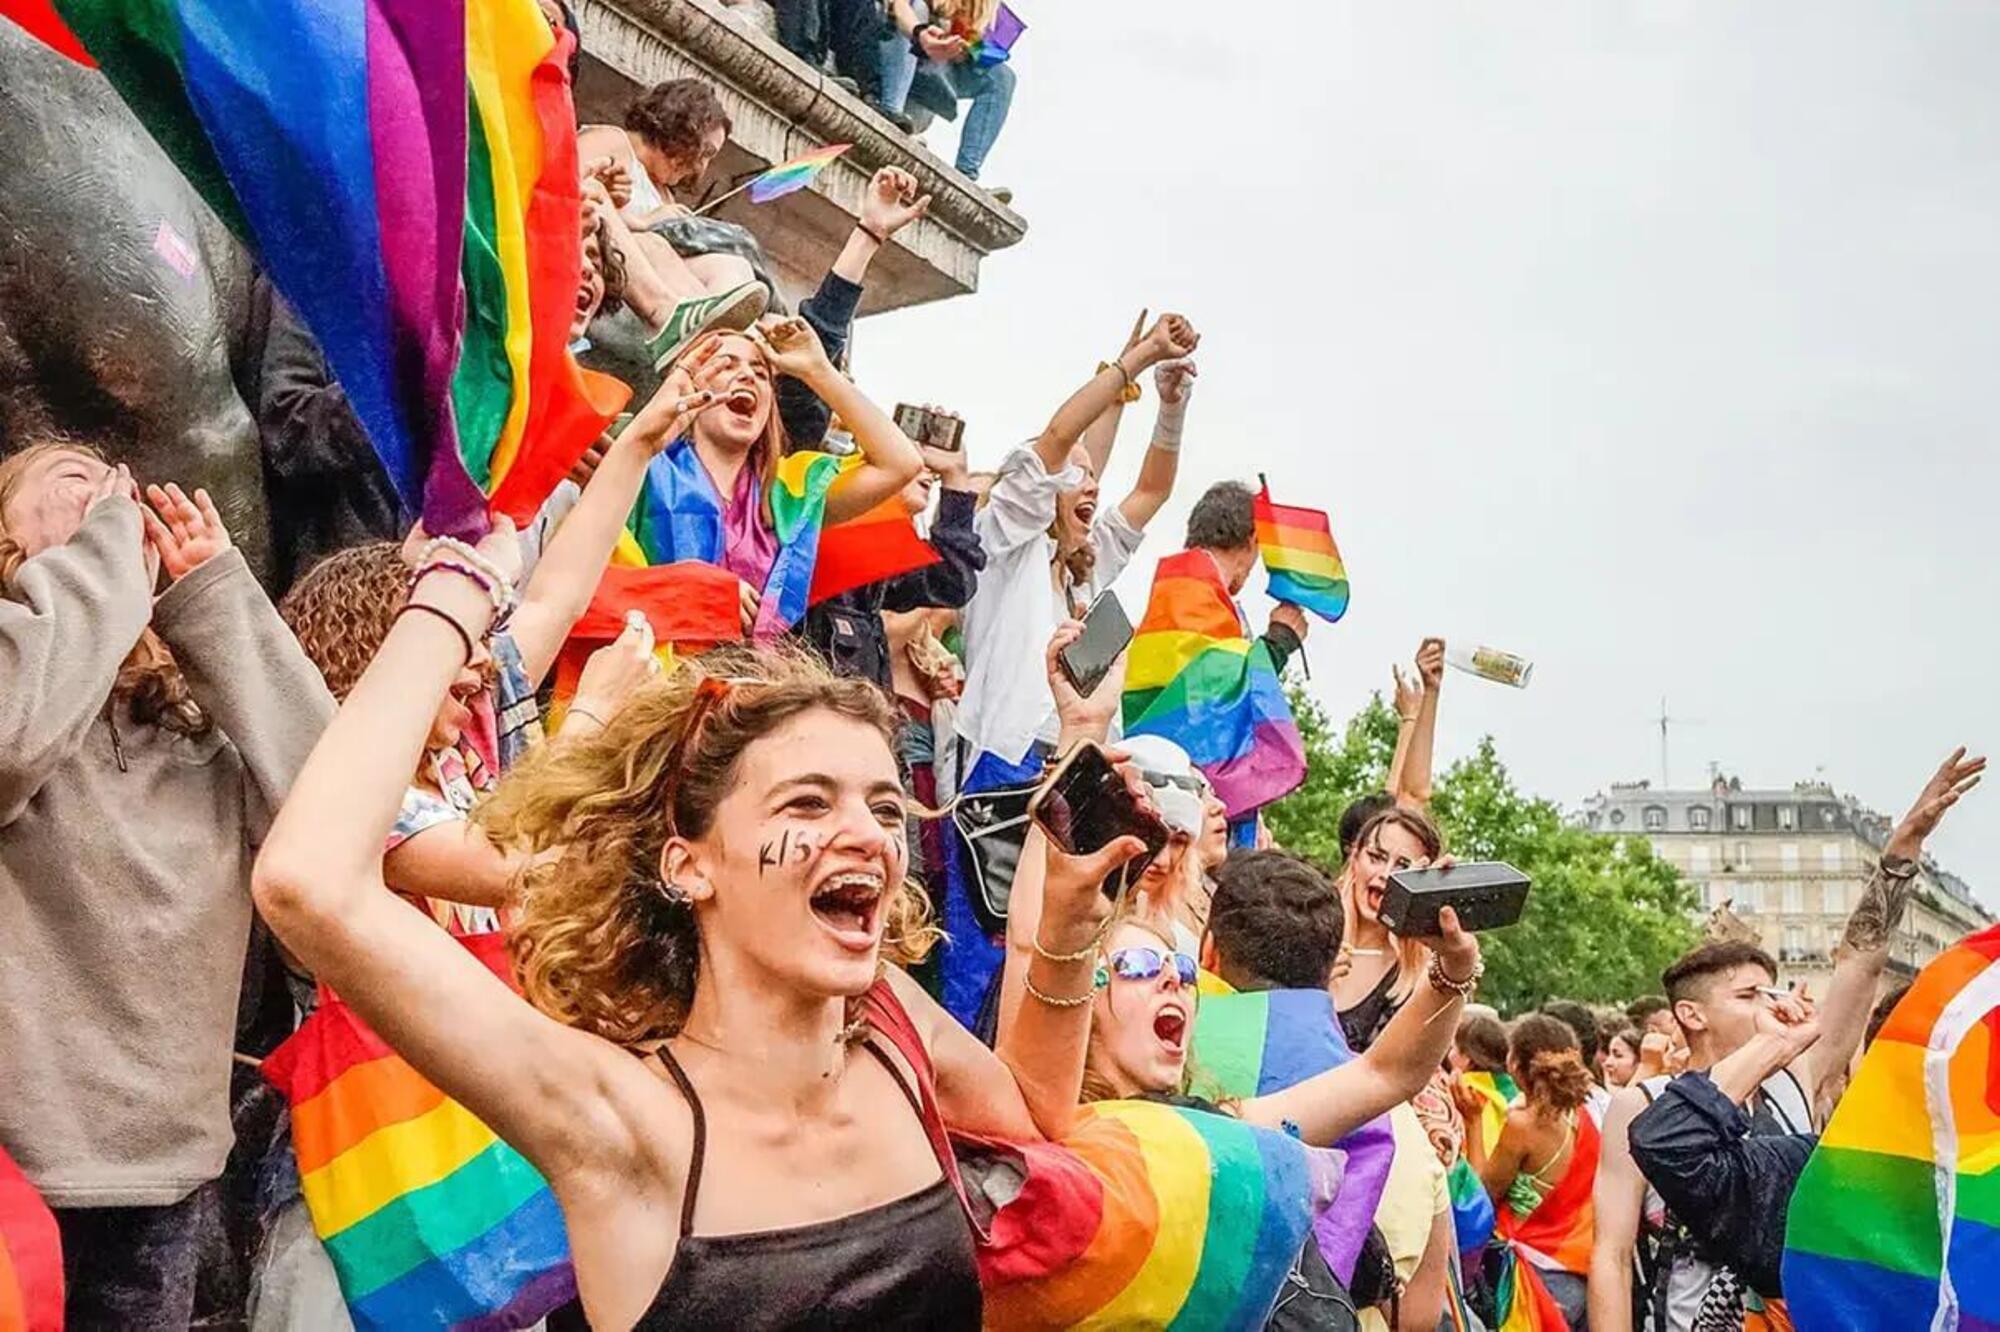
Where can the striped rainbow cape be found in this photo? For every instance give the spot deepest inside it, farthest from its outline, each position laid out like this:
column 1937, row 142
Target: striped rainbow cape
column 666, row 559
column 1195, row 677
column 406, row 171
column 1149, row 1216
column 1896, row 1220
column 1253, row 1044
column 430, row 1219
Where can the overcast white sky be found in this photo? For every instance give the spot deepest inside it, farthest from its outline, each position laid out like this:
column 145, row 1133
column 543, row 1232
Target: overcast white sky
column 1652, row 341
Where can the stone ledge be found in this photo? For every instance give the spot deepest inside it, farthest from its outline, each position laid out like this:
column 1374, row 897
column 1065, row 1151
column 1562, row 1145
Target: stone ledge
column 781, row 106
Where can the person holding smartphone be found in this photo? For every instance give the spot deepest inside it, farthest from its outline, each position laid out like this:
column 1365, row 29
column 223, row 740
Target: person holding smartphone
column 1051, row 547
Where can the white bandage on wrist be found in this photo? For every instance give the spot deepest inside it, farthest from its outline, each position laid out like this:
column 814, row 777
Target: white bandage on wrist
column 1167, row 429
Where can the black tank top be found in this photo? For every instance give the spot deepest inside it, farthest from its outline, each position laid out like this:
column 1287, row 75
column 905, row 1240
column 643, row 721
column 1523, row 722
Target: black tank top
column 1362, row 1023
column 905, row 1264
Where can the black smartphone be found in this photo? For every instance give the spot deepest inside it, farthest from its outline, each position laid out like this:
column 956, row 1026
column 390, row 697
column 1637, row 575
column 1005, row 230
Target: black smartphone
column 1085, row 805
column 935, row 430
column 1487, row 895
column 1106, row 633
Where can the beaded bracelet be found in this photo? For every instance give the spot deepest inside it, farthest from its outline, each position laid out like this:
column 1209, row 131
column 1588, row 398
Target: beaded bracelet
column 481, row 571
column 1054, row 1002
column 1444, row 984
column 1081, row 954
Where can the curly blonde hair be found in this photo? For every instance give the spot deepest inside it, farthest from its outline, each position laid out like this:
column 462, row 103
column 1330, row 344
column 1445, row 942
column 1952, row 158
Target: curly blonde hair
column 149, row 679
column 342, row 609
column 597, row 944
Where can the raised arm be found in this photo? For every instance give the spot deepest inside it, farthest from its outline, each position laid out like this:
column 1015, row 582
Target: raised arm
column 888, row 458
column 1871, row 928
column 1618, row 1200
column 1162, row 463
column 1410, row 775
column 1098, row 396
column 567, row 574
column 1328, row 1105
column 77, row 610
column 1101, row 435
column 318, row 882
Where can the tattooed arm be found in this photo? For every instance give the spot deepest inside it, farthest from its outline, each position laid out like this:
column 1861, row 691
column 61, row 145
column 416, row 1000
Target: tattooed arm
column 1871, row 929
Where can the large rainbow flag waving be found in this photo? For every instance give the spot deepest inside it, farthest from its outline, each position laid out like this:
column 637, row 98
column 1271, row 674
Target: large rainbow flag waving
column 1152, row 1216
column 1195, row 677
column 1303, row 564
column 406, row 171
column 1896, row 1221
column 1253, row 1044
column 430, row 1219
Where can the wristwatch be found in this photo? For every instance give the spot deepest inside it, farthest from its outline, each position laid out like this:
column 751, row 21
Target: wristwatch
column 1897, row 867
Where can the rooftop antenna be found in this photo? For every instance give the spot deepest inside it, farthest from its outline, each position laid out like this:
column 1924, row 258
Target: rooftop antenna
column 1665, row 720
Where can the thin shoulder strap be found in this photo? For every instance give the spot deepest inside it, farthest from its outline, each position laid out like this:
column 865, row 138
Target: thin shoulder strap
column 692, row 1189
column 885, row 1015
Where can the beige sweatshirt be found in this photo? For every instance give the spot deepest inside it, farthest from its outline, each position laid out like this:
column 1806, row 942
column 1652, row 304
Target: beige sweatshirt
column 125, row 854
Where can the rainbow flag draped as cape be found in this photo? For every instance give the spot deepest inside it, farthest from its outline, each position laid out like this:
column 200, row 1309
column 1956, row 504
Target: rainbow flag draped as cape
column 1253, row 1044
column 1556, row 1236
column 1152, row 1216
column 1896, row 1220
column 1303, row 564
column 790, row 177
column 31, row 1271
column 675, row 538
column 430, row 1220
column 1196, row 678
column 388, row 162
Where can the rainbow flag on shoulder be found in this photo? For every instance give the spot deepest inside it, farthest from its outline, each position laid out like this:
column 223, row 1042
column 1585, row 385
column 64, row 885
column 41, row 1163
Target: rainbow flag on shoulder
column 1300, row 559
column 430, row 1219
column 1151, row 1216
column 1195, row 677
column 406, row 171
column 1896, row 1220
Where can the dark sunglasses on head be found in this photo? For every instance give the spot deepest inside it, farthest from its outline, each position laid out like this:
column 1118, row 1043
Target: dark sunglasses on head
column 1142, row 964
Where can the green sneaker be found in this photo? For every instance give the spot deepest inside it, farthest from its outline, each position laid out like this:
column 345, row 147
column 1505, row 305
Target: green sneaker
column 735, row 309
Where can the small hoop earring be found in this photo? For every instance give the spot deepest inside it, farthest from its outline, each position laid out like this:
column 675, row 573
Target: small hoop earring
column 674, row 893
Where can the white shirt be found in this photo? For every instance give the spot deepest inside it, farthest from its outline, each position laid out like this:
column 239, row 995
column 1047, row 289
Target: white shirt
column 1007, row 705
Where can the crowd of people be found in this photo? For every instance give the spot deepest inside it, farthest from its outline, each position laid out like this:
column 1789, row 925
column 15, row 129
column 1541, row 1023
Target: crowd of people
column 773, row 1000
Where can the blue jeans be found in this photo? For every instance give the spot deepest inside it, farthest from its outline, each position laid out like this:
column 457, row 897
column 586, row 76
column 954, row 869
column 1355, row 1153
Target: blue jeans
column 990, row 90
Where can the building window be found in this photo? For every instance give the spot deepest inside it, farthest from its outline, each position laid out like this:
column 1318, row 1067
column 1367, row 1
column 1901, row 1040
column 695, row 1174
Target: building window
column 1829, row 855
column 1742, row 855
column 1788, row 817
column 1749, row 897
column 1617, row 817
column 1698, row 818
column 1794, row 948
column 1792, row 895
column 1698, row 857
column 1739, row 818
column 1833, row 898
column 1788, row 855
column 1656, row 819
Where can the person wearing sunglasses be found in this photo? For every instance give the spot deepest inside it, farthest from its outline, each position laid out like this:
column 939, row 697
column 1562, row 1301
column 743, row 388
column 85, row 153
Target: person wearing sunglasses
column 740, row 1107
column 1175, row 884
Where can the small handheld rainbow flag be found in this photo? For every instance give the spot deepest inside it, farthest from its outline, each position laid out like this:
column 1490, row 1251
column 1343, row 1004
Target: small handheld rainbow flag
column 430, row 1219
column 1300, row 558
column 1253, row 1044
column 388, row 161
column 790, row 177
column 996, row 44
column 1895, row 1221
column 1152, row 1216
column 1197, row 679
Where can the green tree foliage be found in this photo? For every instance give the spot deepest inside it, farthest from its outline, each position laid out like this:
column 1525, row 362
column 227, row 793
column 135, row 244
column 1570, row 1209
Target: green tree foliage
column 1605, row 916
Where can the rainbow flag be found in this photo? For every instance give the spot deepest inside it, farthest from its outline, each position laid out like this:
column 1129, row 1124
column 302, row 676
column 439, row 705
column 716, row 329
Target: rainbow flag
column 1497, row 1094
column 430, row 1219
column 1152, row 1216
column 1300, row 558
column 996, row 44
column 1555, row 1237
column 31, row 1270
column 1896, row 1220
column 1196, row 678
column 388, row 161
column 793, row 176
column 677, row 526
column 1253, row 1044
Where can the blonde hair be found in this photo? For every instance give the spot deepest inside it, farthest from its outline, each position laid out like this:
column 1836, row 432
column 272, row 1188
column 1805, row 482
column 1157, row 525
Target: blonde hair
column 149, row 678
column 978, row 15
column 1096, row 1087
column 597, row 943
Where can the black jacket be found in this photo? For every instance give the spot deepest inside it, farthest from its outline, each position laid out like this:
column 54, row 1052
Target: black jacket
column 1728, row 1188
column 848, row 629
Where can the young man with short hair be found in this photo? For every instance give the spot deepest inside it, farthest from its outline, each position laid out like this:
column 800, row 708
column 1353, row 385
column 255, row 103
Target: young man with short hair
column 1717, row 995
